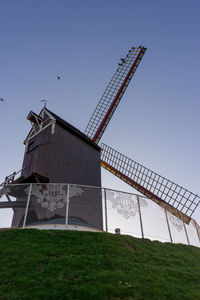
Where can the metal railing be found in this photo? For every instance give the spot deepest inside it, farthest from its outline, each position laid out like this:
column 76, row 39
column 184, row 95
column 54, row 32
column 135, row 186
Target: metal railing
column 92, row 208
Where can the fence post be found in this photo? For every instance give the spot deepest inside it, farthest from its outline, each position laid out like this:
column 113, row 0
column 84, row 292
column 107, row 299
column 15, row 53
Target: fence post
column 27, row 205
column 67, row 206
column 105, row 204
column 140, row 215
column 170, row 235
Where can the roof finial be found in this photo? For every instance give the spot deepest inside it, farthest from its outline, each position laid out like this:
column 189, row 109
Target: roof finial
column 45, row 102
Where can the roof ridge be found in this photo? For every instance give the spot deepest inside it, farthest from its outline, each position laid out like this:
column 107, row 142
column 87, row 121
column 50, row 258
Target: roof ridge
column 71, row 128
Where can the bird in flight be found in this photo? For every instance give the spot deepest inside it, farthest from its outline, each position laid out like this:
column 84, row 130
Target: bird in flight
column 2, row 99
column 58, row 77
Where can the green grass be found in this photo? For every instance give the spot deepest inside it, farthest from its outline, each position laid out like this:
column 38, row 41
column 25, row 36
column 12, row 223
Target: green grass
column 54, row 264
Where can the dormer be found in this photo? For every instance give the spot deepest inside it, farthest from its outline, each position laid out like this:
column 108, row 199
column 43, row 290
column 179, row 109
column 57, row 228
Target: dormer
column 39, row 123
column 34, row 118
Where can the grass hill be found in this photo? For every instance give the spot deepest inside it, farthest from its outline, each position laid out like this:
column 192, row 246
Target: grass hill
column 54, row 264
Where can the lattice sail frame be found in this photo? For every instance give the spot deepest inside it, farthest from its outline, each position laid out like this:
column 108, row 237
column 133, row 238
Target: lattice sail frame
column 179, row 201
column 149, row 183
column 113, row 93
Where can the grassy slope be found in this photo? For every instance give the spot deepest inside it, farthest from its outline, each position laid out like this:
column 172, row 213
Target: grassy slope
column 84, row 265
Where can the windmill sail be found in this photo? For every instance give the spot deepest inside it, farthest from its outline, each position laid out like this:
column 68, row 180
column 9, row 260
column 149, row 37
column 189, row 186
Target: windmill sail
column 178, row 200
column 113, row 93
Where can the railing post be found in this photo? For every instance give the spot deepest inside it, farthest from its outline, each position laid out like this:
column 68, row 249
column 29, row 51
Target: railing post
column 105, row 205
column 185, row 231
column 140, row 215
column 27, row 205
column 67, row 205
column 195, row 225
column 170, row 235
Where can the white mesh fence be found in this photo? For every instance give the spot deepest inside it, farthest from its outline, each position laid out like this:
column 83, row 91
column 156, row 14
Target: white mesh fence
column 92, row 208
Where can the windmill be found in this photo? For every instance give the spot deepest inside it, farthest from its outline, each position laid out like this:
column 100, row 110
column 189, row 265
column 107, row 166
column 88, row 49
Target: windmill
column 56, row 151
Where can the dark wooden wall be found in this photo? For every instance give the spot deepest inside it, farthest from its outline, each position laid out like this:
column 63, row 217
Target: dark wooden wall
column 63, row 158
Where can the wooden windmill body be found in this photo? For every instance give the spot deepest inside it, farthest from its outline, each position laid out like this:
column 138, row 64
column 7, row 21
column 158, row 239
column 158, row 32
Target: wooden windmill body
column 57, row 152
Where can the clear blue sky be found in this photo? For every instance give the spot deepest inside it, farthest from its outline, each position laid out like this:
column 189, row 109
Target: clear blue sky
column 157, row 122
